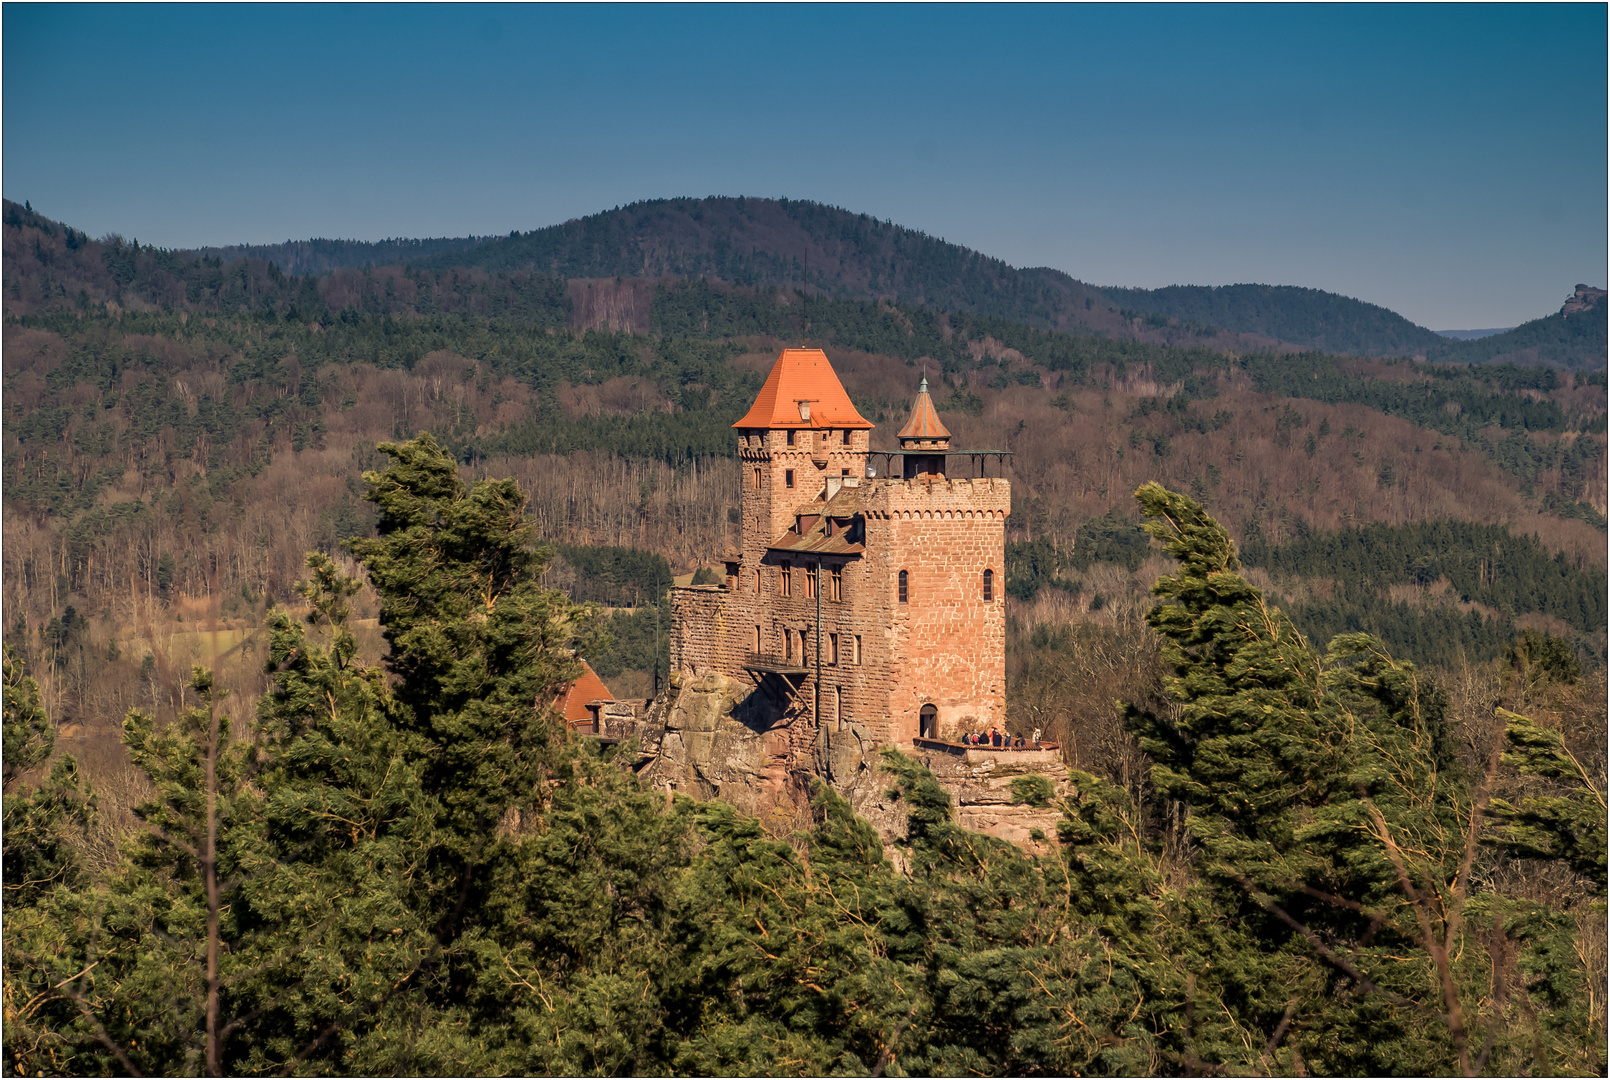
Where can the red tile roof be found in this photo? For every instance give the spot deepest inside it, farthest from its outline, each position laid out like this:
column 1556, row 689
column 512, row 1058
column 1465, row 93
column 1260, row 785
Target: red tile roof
column 924, row 422
column 802, row 374
column 588, row 687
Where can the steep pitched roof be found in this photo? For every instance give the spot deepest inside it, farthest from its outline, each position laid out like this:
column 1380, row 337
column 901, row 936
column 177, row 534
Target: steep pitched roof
column 816, row 539
column 587, row 687
column 924, row 422
column 802, row 375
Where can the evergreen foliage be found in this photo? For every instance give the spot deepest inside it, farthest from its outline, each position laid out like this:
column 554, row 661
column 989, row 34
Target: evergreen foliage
column 1577, row 340
column 417, row 870
column 615, row 576
column 1034, row 565
column 45, row 828
column 1566, row 823
column 1324, row 817
column 1482, row 564
column 1311, row 317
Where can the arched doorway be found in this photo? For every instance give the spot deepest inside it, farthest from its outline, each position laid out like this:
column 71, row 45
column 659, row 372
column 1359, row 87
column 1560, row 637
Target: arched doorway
column 928, row 722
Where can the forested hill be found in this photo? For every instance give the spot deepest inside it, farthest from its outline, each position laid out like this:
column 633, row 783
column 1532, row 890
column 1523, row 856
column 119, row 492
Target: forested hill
column 1575, row 337
column 791, row 245
column 1311, row 317
column 320, row 256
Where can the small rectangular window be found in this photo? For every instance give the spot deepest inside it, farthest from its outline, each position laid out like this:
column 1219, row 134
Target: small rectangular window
column 905, row 592
column 856, row 657
column 788, row 644
column 833, row 650
column 838, row 584
column 757, row 637
column 785, row 580
column 810, row 582
column 757, row 477
column 788, row 478
column 790, row 438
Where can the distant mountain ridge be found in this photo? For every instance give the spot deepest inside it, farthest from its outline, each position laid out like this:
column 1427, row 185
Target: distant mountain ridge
column 1577, row 336
column 791, row 244
column 798, row 245
column 1320, row 320
column 794, row 244
column 1472, row 335
column 321, row 256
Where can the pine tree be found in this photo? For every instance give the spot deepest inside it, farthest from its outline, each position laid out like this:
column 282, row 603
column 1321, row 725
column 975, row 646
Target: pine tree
column 1332, row 837
column 45, row 828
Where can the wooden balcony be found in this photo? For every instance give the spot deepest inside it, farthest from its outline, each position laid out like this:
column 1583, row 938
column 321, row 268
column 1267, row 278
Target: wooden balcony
column 772, row 664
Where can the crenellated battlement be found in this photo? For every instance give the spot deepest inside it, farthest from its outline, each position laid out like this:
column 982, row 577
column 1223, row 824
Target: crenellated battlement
column 981, row 498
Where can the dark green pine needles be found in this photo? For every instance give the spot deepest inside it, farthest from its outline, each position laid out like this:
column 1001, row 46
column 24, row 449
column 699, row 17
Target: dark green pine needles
column 417, row 870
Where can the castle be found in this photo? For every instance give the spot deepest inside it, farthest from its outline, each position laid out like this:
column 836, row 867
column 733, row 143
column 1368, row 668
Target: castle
column 869, row 589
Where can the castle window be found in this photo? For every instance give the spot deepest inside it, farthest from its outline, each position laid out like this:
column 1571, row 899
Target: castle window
column 757, row 585
column 757, row 477
column 790, row 436
column 855, row 650
column 837, row 584
column 832, row 650
column 811, row 575
column 785, row 580
column 788, row 475
column 989, row 585
column 757, row 638
column 788, row 644
column 905, row 594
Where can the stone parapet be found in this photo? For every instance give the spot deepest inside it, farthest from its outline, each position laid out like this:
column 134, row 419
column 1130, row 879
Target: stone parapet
column 951, row 499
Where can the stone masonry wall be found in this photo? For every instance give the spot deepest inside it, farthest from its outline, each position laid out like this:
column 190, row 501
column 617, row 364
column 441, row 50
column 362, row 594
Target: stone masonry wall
column 946, row 644
column 699, row 638
column 768, row 510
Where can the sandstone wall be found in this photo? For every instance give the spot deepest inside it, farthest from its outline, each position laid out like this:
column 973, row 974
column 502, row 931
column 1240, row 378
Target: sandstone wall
column 946, row 644
column 768, row 509
column 699, row 636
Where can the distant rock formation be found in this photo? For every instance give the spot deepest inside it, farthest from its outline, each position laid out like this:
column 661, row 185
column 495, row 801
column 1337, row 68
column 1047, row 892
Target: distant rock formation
column 1586, row 297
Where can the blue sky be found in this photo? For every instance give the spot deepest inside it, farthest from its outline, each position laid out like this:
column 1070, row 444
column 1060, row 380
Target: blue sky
column 1446, row 161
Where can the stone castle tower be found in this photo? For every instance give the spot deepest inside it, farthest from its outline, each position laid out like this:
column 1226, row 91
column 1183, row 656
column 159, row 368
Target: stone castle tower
column 865, row 593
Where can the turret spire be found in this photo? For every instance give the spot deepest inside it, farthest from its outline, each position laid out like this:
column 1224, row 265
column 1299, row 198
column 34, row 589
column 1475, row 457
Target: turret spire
column 924, row 439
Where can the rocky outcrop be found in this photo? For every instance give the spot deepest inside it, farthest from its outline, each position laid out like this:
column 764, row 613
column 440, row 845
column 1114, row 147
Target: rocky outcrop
column 711, row 737
column 706, row 751
column 980, row 785
column 1585, row 297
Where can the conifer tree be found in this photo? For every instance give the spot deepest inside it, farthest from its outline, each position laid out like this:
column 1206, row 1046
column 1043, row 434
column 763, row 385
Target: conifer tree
column 1330, row 835
column 338, row 898
column 45, row 828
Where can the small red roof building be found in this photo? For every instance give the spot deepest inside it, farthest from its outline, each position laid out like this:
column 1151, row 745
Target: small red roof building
column 583, row 700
